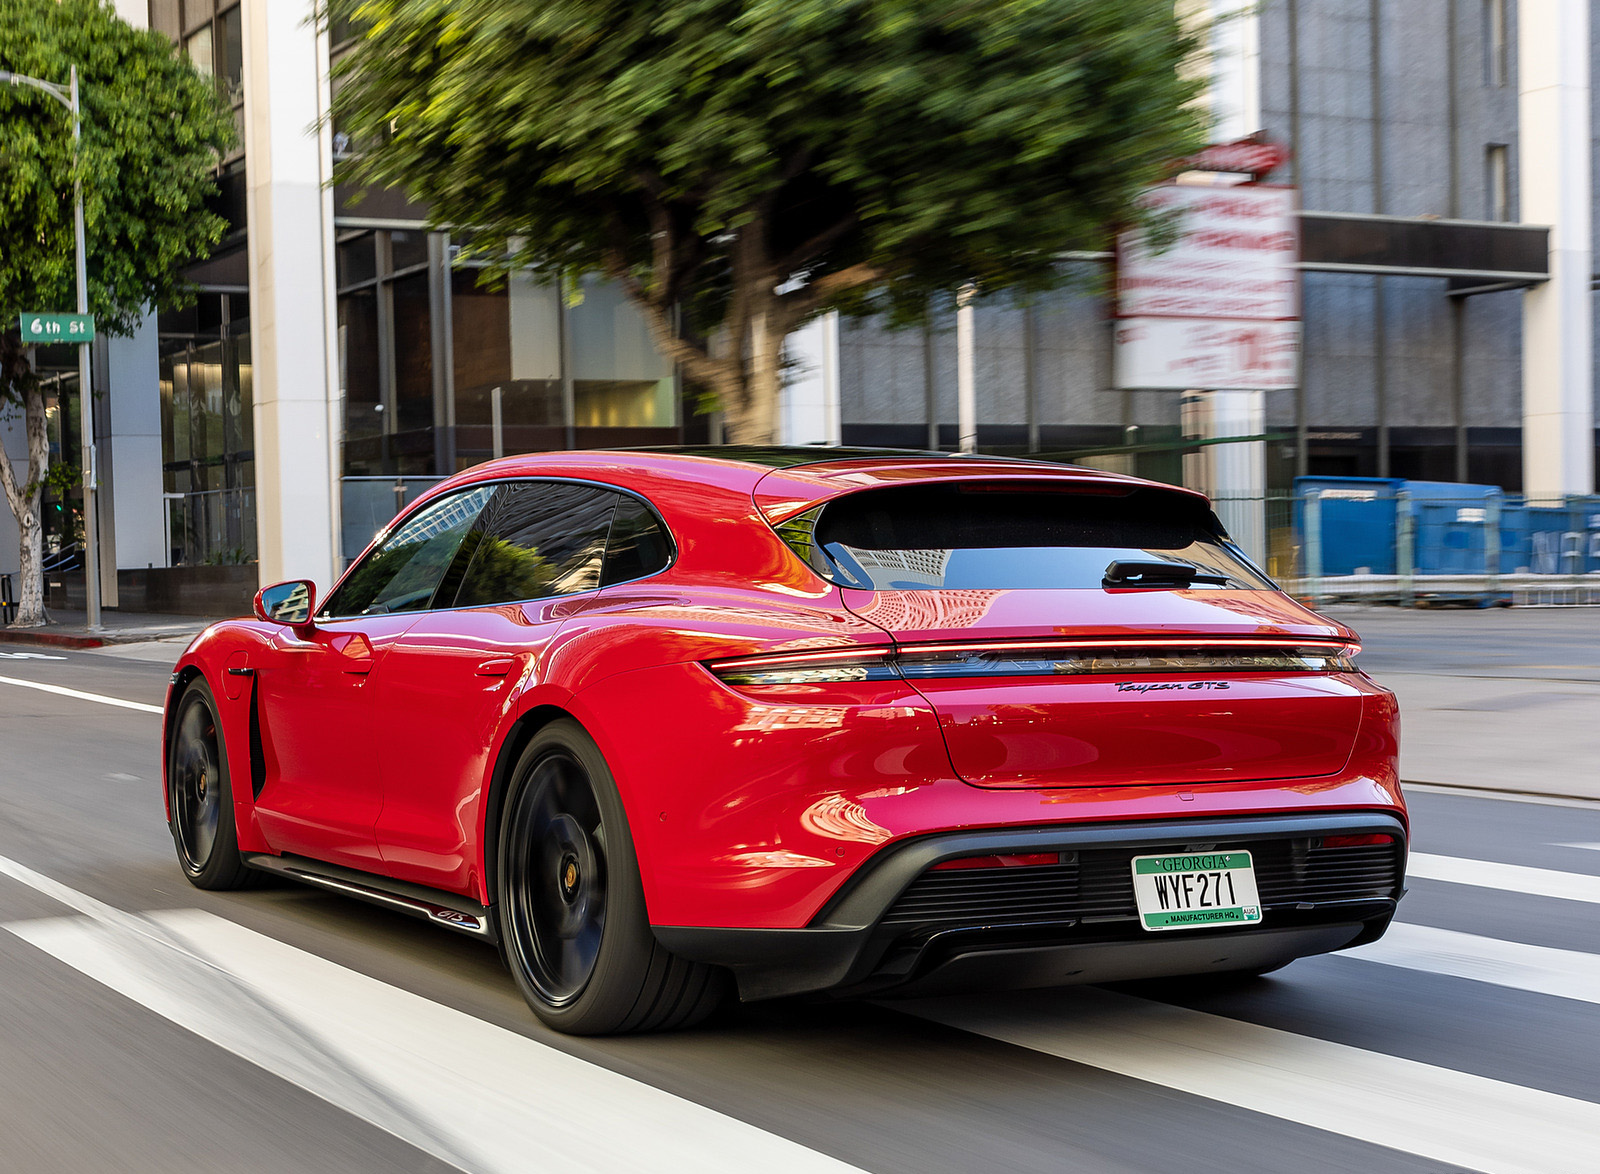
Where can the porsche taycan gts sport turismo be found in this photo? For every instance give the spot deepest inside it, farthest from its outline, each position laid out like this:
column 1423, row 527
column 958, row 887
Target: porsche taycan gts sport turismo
column 673, row 725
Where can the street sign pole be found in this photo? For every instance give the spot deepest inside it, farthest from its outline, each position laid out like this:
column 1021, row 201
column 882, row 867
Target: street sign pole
column 91, row 531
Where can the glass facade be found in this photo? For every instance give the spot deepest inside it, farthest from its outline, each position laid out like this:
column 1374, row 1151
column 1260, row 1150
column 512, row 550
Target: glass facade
column 443, row 365
column 207, row 431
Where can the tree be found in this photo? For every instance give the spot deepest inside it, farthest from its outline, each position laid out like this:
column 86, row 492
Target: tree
column 153, row 128
column 742, row 165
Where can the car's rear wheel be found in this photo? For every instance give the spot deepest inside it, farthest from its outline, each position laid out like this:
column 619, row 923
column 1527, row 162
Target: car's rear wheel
column 200, row 795
column 570, row 903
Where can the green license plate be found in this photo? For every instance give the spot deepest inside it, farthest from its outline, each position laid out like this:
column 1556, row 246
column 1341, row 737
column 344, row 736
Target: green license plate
column 1196, row 890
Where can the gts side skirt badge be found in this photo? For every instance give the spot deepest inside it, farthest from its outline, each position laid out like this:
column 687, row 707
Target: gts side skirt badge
column 441, row 908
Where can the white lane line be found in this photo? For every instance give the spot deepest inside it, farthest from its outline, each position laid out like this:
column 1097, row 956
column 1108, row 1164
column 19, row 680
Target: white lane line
column 62, row 691
column 468, row 1092
column 1567, row 974
column 1438, row 1113
column 1512, row 878
column 1590, row 847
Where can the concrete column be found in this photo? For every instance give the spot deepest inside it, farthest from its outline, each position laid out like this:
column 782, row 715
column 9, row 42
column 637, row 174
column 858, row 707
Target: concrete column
column 1233, row 475
column 1555, row 155
column 808, row 408
column 292, row 308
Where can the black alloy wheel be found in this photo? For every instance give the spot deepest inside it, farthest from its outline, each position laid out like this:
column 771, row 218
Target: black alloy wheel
column 556, row 886
column 571, row 906
column 200, row 795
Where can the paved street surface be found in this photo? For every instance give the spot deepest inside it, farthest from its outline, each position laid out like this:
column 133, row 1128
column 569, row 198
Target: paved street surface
column 1503, row 699
column 147, row 1026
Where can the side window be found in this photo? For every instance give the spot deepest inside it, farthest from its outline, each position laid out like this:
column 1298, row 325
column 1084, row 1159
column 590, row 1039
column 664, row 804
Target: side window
column 542, row 538
column 638, row 545
column 403, row 572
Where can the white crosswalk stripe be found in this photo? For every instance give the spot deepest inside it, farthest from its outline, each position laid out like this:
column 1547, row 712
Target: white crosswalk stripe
column 1472, row 1121
column 472, row 1094
column 456, row 1087
column 1511, row 878
column 1567, row 974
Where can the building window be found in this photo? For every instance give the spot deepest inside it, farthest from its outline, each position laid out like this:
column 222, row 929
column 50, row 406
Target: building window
column 1495, row 69
column 1497, row 182
column 164, row 17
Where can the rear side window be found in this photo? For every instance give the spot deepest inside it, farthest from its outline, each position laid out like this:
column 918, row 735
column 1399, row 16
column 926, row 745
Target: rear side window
column 540, row 538
column 638, row 545
column 975, row 536
column 404, row 571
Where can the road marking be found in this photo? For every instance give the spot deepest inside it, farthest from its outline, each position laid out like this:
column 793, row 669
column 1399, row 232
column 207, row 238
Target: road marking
column 1471, row 1121
column 30, row 656
column 468, row 1092
column 1590, row 847
column 1512, row 878
column 1567, row 974
column 62, row 691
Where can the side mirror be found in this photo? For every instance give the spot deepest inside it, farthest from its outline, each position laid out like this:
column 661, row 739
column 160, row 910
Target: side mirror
column 287, row 603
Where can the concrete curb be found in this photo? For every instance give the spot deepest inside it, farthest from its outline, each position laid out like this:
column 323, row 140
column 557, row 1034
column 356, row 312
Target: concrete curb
column 41, row 636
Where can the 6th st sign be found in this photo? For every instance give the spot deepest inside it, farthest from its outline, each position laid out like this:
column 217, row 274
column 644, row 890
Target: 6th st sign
column 57, row 328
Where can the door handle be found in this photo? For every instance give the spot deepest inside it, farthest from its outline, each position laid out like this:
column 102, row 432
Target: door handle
column 357, row 668
column 497, row 667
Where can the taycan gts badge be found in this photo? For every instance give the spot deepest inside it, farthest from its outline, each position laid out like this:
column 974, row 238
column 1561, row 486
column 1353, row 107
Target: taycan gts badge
column 1161, row 686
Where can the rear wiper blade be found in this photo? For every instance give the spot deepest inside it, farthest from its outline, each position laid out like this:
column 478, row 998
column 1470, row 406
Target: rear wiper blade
column 1157, row 573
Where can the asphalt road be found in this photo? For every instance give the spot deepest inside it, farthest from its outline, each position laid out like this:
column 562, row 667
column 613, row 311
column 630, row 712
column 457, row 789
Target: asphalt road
column 148, row 1026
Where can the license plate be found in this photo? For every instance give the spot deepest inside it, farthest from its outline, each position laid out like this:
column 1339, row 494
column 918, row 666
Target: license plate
column 1196, row 890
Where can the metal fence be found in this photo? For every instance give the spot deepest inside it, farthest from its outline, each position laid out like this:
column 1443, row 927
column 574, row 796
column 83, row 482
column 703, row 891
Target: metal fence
column 1332, row 540
column 214, row 526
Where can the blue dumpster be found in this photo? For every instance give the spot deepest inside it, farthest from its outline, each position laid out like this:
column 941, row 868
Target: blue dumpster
column 1358, row 522
column 1450, row 526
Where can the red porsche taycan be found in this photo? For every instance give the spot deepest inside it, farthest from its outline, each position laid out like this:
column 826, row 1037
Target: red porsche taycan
column 669, row 724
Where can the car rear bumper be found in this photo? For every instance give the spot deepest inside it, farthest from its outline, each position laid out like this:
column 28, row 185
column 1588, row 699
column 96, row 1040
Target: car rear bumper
column 897, row 927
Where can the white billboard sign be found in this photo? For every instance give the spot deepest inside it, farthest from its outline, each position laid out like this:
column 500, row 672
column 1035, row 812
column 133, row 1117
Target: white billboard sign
column 1192, row 354
column 1220, row 307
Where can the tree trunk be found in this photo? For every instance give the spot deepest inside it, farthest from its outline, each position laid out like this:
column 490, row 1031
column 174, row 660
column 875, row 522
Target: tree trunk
column 23, row 498
column 30, row 592
column 750, row 413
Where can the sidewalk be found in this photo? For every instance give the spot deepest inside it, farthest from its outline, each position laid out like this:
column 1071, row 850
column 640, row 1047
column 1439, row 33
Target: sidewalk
column 70, row 629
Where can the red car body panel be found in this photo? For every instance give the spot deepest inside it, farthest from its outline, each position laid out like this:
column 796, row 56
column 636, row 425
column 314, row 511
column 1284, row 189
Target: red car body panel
column 376, row 738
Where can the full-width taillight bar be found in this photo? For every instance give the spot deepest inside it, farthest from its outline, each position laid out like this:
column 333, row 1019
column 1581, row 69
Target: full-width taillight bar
column 1014, row 658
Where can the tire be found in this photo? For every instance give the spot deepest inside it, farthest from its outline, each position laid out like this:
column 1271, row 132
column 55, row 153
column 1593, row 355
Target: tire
column 570, row 905
column 200, row 796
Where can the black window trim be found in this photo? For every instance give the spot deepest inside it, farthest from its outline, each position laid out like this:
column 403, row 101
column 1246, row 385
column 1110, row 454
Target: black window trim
column 496, row 483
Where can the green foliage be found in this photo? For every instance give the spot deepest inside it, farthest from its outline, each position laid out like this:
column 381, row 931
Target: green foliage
column 705, row 152
column 152, row 131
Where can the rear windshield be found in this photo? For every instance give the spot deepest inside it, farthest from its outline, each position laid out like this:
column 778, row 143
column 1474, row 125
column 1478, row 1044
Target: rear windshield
column 962, row 537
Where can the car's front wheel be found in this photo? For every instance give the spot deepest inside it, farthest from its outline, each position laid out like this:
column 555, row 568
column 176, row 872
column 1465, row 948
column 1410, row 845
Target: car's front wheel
column 570, row 904
column 200, row 795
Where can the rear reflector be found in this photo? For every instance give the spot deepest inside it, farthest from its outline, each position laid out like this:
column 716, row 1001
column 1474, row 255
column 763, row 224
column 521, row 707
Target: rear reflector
column 1028, row 860
column 1355, row 841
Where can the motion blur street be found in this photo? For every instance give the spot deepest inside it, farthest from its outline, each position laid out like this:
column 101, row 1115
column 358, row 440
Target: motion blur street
column 148, row 1025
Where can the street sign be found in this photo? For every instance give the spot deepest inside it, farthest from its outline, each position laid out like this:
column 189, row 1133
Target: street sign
column 57, row 327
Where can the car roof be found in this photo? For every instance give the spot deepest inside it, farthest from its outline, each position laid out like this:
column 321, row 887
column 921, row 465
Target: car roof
column 787, row 480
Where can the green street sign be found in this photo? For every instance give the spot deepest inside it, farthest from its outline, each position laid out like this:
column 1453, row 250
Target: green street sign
column 57, row 327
